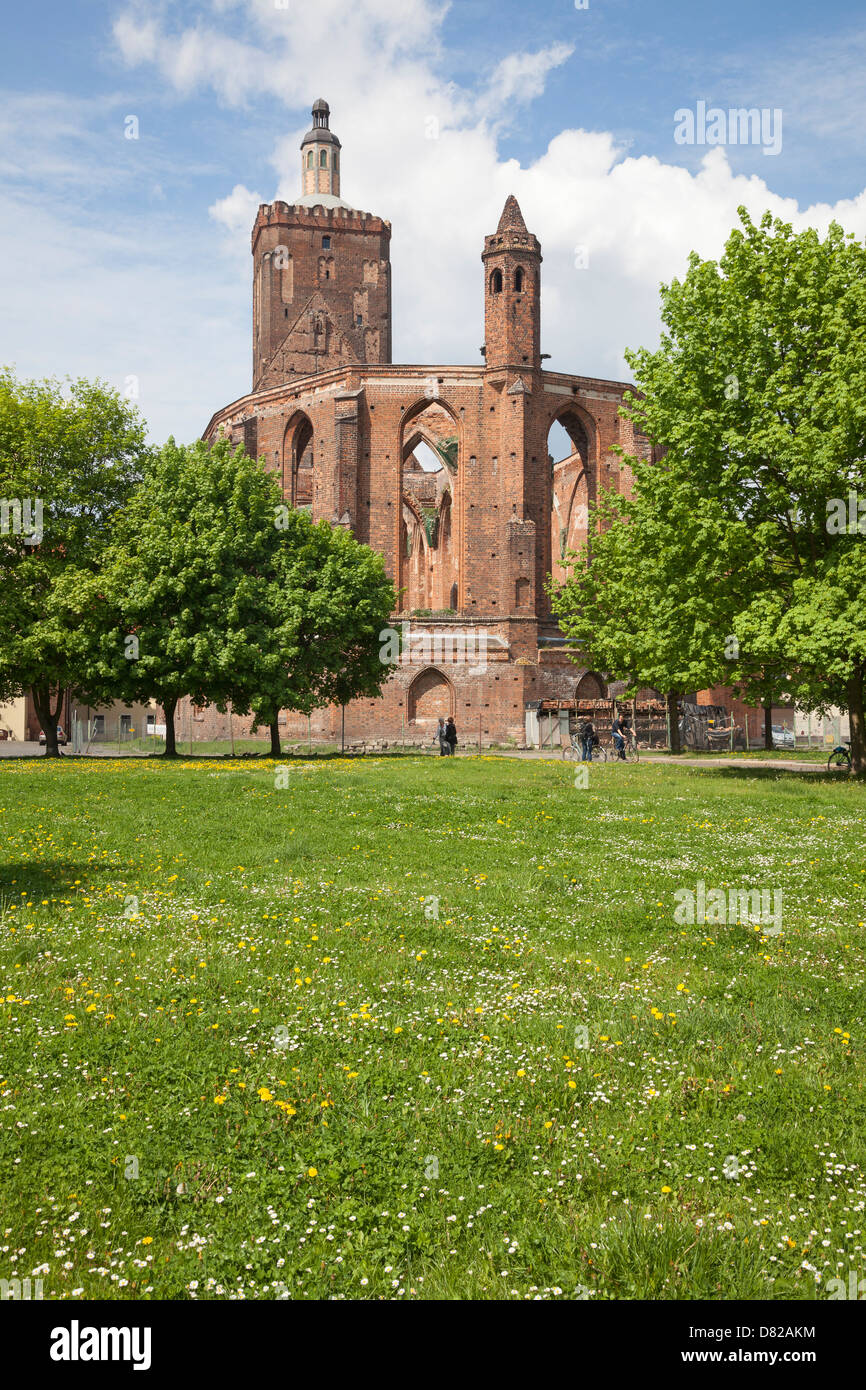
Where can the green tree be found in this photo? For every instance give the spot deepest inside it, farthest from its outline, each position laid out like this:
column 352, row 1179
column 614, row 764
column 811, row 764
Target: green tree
column 757, row 393
column 68, row 461
column 184, row 610
column 642, row 601
column 218, row 591
column 327, row 601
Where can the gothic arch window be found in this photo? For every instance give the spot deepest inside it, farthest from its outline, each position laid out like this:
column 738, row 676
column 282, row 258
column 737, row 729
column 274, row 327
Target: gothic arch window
column 453, row 601
column 496, row 282
column 323, row 159
column 518, row 279
column 431, row 491
column 310, row 160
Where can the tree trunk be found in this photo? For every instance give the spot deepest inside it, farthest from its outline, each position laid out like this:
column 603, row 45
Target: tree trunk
column 276, row 750
column 855, row 718
column 169, row 707
column 768, row 725
column 47, row 718
column 673, row 722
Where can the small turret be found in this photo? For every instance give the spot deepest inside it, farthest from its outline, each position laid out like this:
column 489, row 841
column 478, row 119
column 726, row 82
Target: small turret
column 512, row 292
column 320, row 156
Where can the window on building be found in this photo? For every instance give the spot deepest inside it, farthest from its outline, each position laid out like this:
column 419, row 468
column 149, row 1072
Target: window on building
column 518, row 279
column 323, row 159
column 310, row 160
column 326, row 243
column 496, row 282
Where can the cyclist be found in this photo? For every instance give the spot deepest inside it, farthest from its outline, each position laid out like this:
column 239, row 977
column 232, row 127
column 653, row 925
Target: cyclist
column 620, row 731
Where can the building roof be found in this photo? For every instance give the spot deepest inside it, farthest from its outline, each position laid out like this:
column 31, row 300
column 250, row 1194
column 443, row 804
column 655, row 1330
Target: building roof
column 512, row 218
column 320, row 133
column 325, row 200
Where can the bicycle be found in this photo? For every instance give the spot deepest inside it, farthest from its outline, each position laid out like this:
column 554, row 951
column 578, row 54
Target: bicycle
column 573, row 752
column 630, row 748
column 840, row 759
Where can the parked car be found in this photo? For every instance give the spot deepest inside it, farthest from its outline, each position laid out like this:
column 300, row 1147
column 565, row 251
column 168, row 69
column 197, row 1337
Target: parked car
column 783, row 737
column 61, row 737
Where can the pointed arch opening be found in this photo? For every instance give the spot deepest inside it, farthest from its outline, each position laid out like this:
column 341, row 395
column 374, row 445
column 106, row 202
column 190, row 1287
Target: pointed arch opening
column 298, row 461
column 429, row 516
column 571, row 456
column 430, row 698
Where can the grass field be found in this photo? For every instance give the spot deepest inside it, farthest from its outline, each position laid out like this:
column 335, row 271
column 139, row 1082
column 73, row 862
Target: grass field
column 428, row 1028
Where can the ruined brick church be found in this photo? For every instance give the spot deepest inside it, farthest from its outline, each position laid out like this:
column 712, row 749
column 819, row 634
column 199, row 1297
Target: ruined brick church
column 443, row 469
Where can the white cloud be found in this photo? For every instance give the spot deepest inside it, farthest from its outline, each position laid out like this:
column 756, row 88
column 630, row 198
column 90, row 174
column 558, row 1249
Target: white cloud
column 520, row 77
column 237, row 212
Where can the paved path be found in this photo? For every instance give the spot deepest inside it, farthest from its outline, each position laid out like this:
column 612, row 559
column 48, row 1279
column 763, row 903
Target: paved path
column 554, row 754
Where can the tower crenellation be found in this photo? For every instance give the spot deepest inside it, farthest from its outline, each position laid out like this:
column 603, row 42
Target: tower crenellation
column 321, row 274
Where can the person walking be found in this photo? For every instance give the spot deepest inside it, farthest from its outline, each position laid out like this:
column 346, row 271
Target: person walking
column 441, row 735
column 451, row 734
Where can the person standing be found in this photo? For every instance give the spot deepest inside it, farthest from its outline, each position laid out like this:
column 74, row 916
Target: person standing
column 451, row 734
column 440, row 734
column 587, row 734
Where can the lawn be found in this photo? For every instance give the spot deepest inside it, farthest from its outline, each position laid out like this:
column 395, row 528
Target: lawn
column 423, row 1028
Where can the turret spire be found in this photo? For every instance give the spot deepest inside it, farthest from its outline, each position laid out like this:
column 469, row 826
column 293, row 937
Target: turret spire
column 320, row 157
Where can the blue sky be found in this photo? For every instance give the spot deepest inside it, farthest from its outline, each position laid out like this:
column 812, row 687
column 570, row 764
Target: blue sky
column 129, row 259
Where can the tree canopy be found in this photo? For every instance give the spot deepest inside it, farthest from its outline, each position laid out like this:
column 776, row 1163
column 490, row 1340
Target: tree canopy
column 70, row 456
column 757, row 398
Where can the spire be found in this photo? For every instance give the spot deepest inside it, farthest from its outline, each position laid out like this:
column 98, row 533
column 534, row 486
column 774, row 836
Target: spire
column 512, row 218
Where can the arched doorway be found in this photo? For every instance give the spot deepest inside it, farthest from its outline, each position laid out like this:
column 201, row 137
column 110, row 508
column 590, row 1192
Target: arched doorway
column 431, row 697
column 298, row 461
column 590, row 685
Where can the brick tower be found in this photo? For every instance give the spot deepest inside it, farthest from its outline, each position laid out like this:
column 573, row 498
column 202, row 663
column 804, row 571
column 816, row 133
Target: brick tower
column 321, row 274
column 512, row 293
